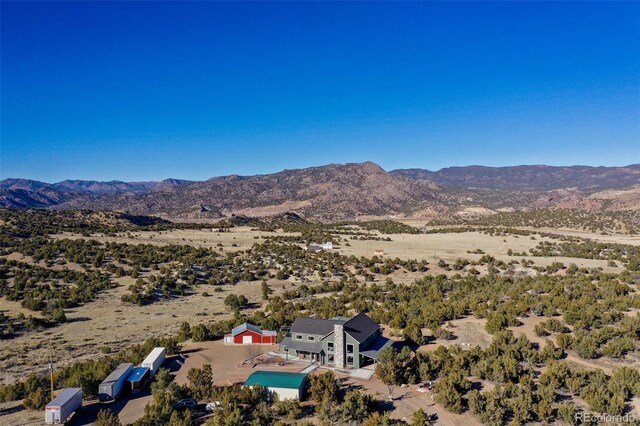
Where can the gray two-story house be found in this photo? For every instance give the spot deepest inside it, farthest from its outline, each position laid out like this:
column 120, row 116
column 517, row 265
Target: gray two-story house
column 338, row 342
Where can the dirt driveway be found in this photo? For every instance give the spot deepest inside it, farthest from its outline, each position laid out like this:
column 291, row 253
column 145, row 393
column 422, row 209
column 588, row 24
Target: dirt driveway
column 227, row 361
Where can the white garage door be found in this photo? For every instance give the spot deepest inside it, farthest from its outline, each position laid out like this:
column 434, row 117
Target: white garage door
column 246, row 340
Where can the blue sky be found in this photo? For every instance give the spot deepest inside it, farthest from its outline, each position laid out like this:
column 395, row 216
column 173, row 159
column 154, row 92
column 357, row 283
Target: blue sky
column 145, row 91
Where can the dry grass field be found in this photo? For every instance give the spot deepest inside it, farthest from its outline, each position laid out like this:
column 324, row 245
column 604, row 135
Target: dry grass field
column 452, row 246
column 447, row 246
column 110, row 323
column 240, row 238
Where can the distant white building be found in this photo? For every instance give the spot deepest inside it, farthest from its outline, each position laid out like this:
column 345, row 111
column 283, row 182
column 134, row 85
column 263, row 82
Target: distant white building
column 318, row 247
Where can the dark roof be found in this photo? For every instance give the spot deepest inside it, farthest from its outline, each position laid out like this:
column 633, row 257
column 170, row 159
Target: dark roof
column 244, row 327
column 360, row 327
column 373, row 349
column 302, row 345
column 115, row 375
column 316, row 326
column 276, row 379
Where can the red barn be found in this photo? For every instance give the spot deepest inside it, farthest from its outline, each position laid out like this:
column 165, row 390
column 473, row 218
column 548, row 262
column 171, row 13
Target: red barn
column 249, row 334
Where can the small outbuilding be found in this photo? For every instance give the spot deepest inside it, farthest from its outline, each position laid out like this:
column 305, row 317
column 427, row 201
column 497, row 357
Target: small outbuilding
column 249, row 334
column 320, row 247
column 285, row 385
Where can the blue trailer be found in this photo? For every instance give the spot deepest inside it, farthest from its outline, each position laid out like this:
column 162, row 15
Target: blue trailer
column 138, row 379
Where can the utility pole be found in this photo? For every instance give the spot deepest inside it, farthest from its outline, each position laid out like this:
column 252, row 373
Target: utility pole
column 51, row 375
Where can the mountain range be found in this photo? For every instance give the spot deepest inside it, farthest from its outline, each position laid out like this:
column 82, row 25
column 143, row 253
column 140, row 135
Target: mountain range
column 346, row 191
column 538, row 177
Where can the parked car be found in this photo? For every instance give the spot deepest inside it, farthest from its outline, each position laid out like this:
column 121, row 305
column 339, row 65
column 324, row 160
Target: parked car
column 425, row 387
column 186, row 403
column 213, row 406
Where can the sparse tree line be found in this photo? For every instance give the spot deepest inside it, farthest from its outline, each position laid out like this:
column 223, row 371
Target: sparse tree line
column 92, row 253
column 627, row 254
column 627, row 222
column 26, row 223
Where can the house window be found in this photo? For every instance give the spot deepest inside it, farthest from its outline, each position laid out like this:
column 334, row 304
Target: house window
column 298, row 336
column 350, row 360
column 311, row 338
column 349, row 348
column 330, row 347
column 330, row 359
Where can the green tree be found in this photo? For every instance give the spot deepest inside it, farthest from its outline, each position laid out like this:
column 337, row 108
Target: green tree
column 185, row 331
column 58, row 315
column 323, row 387
column 289, row 408
column 625, row 381
column 586, row 346
column 377, row 419
column 449, row 391
column 567, row 413
column 329, row 412
column 393, row 368
column 357, row 406
column 420, row 418
column 495, row 411
column 199, row 333
column 180, row 418
column 107, row 417
column 544, row 410
column 37, row 399
column 201, row 381
column 477, row 402
column 265, row 290
column 235, row 302
column 229, row 415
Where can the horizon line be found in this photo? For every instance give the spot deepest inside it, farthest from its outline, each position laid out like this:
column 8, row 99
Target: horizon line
column 2, row 179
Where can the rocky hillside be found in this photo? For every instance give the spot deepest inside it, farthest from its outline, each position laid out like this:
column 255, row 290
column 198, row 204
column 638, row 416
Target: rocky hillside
column 327, row 192
column 349, row 191
column 25, row 193
column 536, row 178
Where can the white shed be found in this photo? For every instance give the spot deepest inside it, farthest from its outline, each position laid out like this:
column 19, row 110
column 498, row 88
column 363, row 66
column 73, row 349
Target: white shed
column 285, row 385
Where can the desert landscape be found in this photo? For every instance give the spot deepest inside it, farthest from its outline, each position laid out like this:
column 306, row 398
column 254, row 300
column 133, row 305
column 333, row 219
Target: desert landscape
column 406, row 251
column 326, row 213
column 86, row 324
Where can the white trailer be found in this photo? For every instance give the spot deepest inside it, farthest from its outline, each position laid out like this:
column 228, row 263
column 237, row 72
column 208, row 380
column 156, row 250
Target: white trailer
column 63, row 406
column 154, row 360
column 111, row 387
